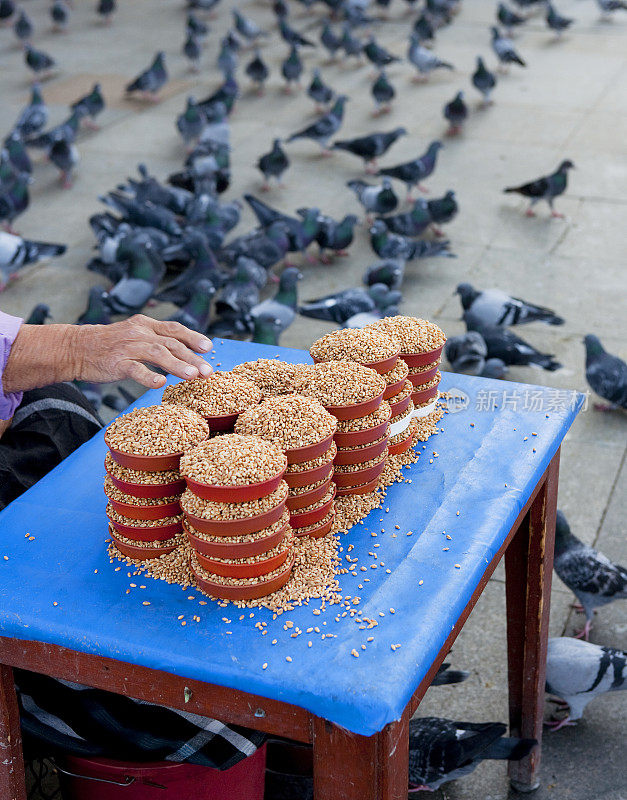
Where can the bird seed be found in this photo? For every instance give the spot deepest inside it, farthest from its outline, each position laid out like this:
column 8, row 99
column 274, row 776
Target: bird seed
column 291, row 421
column 156, row 431
column 218, row 394
column 233, row 460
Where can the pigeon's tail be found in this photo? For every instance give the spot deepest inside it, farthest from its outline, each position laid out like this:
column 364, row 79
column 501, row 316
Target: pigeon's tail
column 509, row 749
column 292, row 137
column 445, row 65
column 512, row 189
column 546, row 362
column 317, row 310
column 517, row 59
column 446, row 676
column 553, row 319
column 38, row 250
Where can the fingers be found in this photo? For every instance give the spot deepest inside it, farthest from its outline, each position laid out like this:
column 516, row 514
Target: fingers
column 139, row 372
column 195, row 341
column 160, row 356
column 185, row 354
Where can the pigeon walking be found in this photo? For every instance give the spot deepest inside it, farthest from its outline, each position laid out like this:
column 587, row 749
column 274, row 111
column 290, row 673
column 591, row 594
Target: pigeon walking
column 508, row 19
column 192, row 51
column 247, row 27
column 370, row 147
column 34, row 117
column 273, row 164
column 455, row 112
column 466, row 353
column 375, row 199
column 608, row 7
column 38, row 61
column 389, row 272
column 23, row 26
column 64, row 155
column 577, row 672
column 191, row 123
column 352, row 46
column 106, row 9
column 412, row 173
column 424, row 60
column 484, row 81
column 319, row 92
column 390, row 245
column 292, row 69
column 90, row 106
column 60, row 15
column 196, row 26
column 546, row 188
column 606, row 374
column 293, row 37
column 495, row 307
column 324, row 127
column 258, row 71
column 511, row 349
column 378, row 55
column 504, row 50
column 441, row 750
column 556, row 22
column 593, row 578
column 152, row 80
column 334, row 236
column 64, row 132
column 410, row 223
column 330, row 41
column 339, row 307
column 16, row 252
column 227, row 60
column 383, row 93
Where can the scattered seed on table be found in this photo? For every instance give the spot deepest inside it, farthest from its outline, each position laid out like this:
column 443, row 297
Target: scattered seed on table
column 392, row 611
column 146, row 603
column 448, row 537
column 54, row 603
column 354, row 653
column 458, row 566
column 288, row 658
column 420, row 582
column 309, row 644
column 264, row 665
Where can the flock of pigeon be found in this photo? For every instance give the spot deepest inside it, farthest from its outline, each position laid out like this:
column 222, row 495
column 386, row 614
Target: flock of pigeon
column 169, row 241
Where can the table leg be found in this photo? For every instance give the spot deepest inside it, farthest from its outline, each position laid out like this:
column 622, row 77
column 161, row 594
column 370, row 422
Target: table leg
column 12, row 778
column 528, row 570
column 352, row 767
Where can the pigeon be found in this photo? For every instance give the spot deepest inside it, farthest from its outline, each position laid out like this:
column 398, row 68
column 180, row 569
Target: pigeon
column 442, row 210
column 227, row 60
column 556, row 22
column 273, row 164
column 494, row 368
column 370, row 147
column 511, row 349
column 386, row 305
column 424, row 60
column 64, row 132
column 466, row 353
column 339, row 306
column 64, row 155
column 17, row 154
column 504, row 50
column 106, row 9
column 577, row 672
column 378, row 55
column 39, row 315
column 267, row 329
column 609, row 6
column 441, row 750
column 292, row 69
column 16, row 252
column 389, row 272
column 60, row 15
column 202, row 267
column 390, row 245
column 23, row 26
column 131, row 293
column 319, row 92
column 455, row 112
column 283, row 305
column 351, row 45
column 90, row 106
column 546, row 188
column 241, row 293
column 508, row 19
column 146, row 215
column 410, row 223
column 335, row 236
column 325, row 126
column 196, row 312
column 96, row 312
column 191, row 123
column 257, row 70
column 484, row 81
column 37, row 60
column 293, row 37
column 593, row 578
column 411, row 173
column 375, row 199
column 7, row 9
column 247, row 27
column 34, row 117
column 192, row 51
column 606, row 374
column 196, row 26
column 446, row 676
column 203, row 5
column 152, row 80
column 267, row 247
column 383, row 93
column 330, row 41
column 14, row 200
column 225, row 94
column 495, row 307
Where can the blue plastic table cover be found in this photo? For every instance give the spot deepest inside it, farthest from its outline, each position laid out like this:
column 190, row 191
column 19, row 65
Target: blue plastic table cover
column 60, row 587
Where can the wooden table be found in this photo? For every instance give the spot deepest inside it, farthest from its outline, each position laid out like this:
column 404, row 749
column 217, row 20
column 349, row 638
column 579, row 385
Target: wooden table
column 347, row 763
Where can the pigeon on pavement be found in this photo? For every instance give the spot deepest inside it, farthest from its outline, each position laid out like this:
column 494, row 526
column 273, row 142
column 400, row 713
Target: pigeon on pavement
column 504, row 50
column 341, row 306
column 283, row 305
column 64, row 155
column 370, row 147
column 378, row 55
column 39, row 315
column 390, row 245
column 609, row 6
column 484, row 81
column 593, row 578
column 424, row 60
column 556, row 22
column 411, row 173
column 330, row 41
column 606, row 374
column 60, row 15
column 319, row 92
column 191, row 123
column 273, row 164
column 64, row 132
column 389, row 272
column 96, row 312
column 511, row 349
column 441, row 750
column 383, row 93
column 351, row 45
column 375, row 199
column 247, row 27
column 495, row 307
column 227, row 60
column 546, row 188
column 23, row 26
column 423, row 30
column 577, row 672
column 196, row 26
column 34, row 117
column 442, row 210
column 151, row 80
column 509, row 19
column 292, row 69
column 455, row 112
column 466, row 353
column 90, row 106
column 106, row 9
column 192, row 51
column 292, row 36
column 37, row 60
column 324, row 127
column 257, row 70
column 410, row 223
column 196, row 312
column 16, row 252
column 334, row 236
column 131, row 293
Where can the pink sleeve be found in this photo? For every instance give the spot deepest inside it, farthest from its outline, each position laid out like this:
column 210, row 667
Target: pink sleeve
column 9, row 326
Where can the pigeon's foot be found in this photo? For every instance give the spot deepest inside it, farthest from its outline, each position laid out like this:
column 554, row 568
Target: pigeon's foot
column 420, row 78
column 556, row 724
column 604, row 407
column 584, row 633
column 437, row 231
column 422, row 189
column 557, row 215
column 325, row 259
column 530, row 212
column 419, row 788
column 342, row 253
column 577, row 607
column 287, row 89
column 371, row 168
column 265, row 187
column 557, row 701
column 311, row 259
column 89, row 123
column 326, row 153
column 66, row 181
column 454, row 130
column 10, row 229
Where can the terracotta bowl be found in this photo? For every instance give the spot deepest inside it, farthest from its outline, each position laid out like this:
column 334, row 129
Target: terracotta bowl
column 308, row 476
column 344, row 479
column 235, row 494
column 141, row 553
column 236, row 527
column 253, row 570
column 230, row 549
column 147, row 463
column 428, row 375
column 357, row 409
column 300, row 454
column 393, row 389
column 422, row 359
column 320, row 531
column 424, row 395
column 305, row 518
column 362, row 488
column 147, row 491
column 298, row 501
column 251, row 592
column 361, row 454
column 146, row 512
column 385, row 365
column 367, row 436
column 140, row 534
column 400, row 447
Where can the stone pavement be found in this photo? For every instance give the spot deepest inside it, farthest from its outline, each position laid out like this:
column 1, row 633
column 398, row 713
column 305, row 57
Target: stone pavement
column 570, row 102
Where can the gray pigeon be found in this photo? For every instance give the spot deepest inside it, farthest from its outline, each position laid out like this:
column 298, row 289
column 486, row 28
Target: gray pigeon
column 495, row 307
column 319, row 92
column 466, row 353
column 606, row 374
column 556, row 22
column 64, row 155
column 330, row 41
column 23, row 26
column 96, row 312
column 441, row 750
column 16, row 252
column 192, row 51
column 60, row 15
column 389, row 272
column 511, row 349
column 324, row 127
column 283, row 305
column 340, row 306
column 504, row 49
column 370, row 147
column 546, row 188
column 375, row 199
column 151, row 80
column 411, row 173
column 273, row 164
column 390, row 245
column 191, row 122
column 609, row 6
column 509, row 19
column 90, row 106
column 410, row 223
column 577, row 672
column 292, row 69
column 424, row 60
column 247, row 27
column 227, row 60
column 34, row 117
column 494, row 368
column 37, row 60
column 267, row 329
column 196, row 312
column 257, row 70
column 383, row 93
column 455, row 112
column 134, row 290
column 594, row 579
column 484, row 81
column 241, row 293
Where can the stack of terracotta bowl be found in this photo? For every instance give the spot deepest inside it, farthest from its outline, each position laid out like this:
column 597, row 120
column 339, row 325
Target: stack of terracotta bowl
column 304, row 430
column 350, row 391
column 220, row 398
column 235, row 517
column 143, row 482
column 421, row 344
